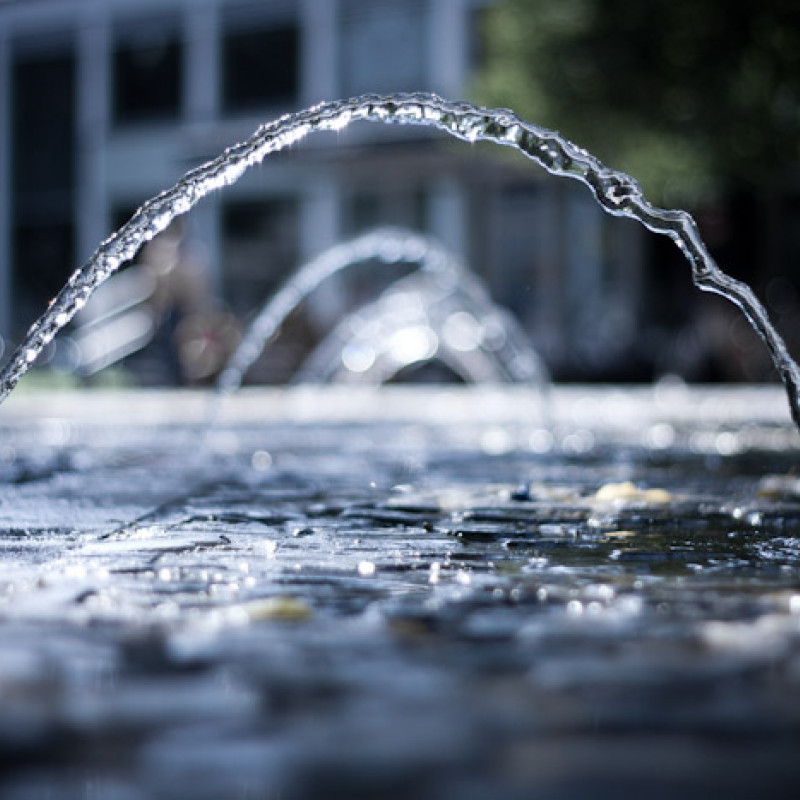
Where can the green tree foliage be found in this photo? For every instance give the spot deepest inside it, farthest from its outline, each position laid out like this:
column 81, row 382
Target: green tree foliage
column 689, row 96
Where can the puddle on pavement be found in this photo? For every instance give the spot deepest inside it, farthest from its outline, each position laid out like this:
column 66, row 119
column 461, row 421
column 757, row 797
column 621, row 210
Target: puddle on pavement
column 390, row 608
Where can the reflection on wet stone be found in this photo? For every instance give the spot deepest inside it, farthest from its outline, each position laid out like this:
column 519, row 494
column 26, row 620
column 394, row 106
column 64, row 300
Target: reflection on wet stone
column 373, row 613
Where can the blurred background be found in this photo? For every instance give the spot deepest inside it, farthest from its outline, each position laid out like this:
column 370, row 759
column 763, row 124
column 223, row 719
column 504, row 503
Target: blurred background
column 103, row 103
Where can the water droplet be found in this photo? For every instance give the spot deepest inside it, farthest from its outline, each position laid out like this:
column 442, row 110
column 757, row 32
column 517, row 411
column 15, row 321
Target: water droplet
column 261, row 460
column 366, row 569
column 575, row 608
column 358, row 356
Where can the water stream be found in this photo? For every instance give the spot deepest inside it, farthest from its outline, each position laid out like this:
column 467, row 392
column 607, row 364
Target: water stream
column 447, row 279
column 617, row 193
column 415, row 321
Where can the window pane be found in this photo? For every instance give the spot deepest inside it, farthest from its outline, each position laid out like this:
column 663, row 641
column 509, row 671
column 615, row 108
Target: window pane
column 260, row 250
column 43, row 123
column 42, row 181
column 147, row 80
column 43, row 259
column 383, row 46
column 260, row 68
column 260, row 241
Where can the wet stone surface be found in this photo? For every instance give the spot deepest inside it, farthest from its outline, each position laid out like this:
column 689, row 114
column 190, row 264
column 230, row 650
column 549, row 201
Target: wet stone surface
column 395, row 609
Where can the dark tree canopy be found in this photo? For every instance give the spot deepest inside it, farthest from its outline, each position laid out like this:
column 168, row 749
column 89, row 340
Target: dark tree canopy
column 686, row 95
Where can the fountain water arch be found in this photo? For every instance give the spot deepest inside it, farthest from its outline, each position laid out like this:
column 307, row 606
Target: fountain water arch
column 617, row 193
column 441, row 278
column 460, row 327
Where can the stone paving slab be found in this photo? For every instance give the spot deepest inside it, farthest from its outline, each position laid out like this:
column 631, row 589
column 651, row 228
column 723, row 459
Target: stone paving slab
column 409, row 593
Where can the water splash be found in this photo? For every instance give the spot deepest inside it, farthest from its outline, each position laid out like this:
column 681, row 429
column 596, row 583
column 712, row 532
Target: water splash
column 616, row 192
column 460, row 327
column 445, row 277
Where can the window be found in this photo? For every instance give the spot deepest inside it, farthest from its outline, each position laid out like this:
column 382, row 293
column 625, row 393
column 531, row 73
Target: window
column 260, row 68
column 43, row 258
column 260, row 248
column 369, row 207
column 384, row 46
column 43, row 139
column 366, row 209
column 147, row 78
column 42, row 180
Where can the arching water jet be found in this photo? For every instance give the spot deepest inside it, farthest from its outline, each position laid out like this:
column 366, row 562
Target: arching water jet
column 447, row 277
column 473, row 338
column 617, row 193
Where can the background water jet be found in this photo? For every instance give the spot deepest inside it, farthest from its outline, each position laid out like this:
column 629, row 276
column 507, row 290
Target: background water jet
column 446, row 279
column 477, row 341
column 617, row 193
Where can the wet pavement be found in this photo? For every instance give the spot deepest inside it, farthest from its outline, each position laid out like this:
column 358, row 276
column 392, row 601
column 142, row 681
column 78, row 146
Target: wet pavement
column 403, row 593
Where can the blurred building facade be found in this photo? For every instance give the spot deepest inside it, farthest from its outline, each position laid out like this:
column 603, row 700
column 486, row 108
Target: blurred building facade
column 103, row 103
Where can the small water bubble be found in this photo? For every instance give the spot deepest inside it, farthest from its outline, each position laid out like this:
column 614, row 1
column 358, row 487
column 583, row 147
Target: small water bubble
column 268, row 547
column 411, row 112
column 574, row 608
column 660, row 436
column 494, row 335
column 340, row 121
column 727, row 443
column 541, row 441
column 432, row 114
column 261, row 460
column 55, row 432
column 462, row 332
column 630, row 605
column 413, row 344
column 470, row 127
column 497, row 441
column 578, row 442
column 358, row 357
column 602, row 591
column 511, row 132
